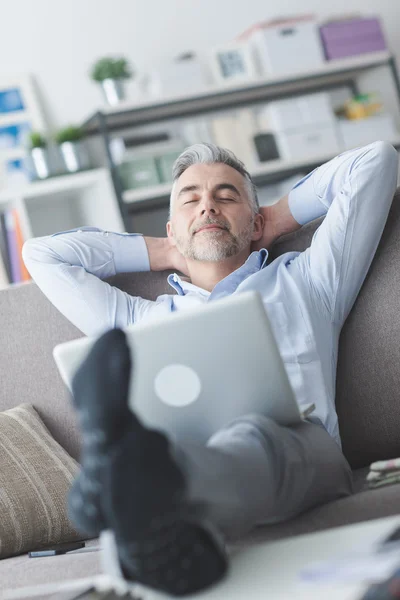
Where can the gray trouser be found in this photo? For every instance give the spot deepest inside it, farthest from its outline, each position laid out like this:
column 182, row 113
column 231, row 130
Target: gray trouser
column 256, row 472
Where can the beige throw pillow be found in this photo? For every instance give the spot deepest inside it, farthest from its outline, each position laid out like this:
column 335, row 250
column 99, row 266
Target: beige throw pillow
column 35, row 476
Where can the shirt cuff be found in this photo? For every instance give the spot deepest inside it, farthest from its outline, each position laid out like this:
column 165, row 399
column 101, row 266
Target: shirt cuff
column 132, row 254
column 304, row 203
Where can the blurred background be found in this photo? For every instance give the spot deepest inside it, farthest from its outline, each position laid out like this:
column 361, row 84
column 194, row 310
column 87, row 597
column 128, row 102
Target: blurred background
column 98, row 98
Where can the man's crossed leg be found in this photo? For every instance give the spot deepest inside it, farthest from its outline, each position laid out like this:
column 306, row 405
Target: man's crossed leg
column 163, row 502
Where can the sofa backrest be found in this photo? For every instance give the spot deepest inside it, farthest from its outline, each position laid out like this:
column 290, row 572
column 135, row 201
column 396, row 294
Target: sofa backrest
column 368, row 377
column 30, row 327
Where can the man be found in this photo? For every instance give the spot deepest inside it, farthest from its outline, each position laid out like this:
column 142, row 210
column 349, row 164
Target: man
column 169, row 505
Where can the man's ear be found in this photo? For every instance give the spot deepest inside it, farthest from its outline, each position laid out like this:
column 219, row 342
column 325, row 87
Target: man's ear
column 258, row 228
column 170, row 234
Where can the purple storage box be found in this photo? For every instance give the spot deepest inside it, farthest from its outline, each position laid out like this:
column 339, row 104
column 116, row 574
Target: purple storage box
column 352, row 37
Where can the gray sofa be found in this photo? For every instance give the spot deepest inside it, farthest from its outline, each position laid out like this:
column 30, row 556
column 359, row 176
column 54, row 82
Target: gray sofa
column 368, row 390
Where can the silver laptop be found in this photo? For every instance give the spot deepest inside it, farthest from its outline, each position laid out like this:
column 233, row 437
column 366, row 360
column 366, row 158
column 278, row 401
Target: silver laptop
column 197, row 370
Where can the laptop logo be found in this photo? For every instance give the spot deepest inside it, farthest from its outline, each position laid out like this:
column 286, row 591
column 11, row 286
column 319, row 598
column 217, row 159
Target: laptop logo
column 177, row 385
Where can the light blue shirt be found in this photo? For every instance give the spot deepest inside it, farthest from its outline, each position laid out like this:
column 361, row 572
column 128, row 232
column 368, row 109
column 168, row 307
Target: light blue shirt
column 307, row 295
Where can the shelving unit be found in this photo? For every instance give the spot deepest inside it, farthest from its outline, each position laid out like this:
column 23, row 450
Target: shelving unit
column 347, row 72
column 96, row 197
column 232, row 95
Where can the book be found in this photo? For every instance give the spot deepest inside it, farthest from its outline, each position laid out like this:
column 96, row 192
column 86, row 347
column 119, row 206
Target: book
column 20, row 242
column 5, row 255
column 4, row 281
column 16, row 275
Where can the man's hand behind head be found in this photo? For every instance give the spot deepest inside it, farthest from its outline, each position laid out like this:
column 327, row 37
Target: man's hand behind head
column 163, row 256
column 278, row 220
column 269, row 231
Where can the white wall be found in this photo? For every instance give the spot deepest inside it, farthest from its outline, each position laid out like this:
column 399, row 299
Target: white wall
column 58, row 40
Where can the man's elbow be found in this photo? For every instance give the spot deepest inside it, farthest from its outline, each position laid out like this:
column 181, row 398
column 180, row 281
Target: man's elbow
column 35, row 252
column 28, row 251
column 385, row 155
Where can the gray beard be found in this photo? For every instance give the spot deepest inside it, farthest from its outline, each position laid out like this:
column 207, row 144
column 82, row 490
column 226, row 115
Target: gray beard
column 220, row 245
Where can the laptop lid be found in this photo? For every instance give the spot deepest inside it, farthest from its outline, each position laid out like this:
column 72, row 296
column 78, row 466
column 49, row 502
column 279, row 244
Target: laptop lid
column 196, row 371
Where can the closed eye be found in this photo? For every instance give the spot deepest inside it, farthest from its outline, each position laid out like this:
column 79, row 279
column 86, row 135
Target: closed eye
column 218, row 200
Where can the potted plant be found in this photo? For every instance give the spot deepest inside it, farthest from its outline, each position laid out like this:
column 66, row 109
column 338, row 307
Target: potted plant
column 39, row 155
column 112, row 73
column 72, row 148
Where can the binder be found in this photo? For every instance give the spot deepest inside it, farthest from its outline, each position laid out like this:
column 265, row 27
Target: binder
column 4, row 253
column 4, row 281
column 20, row 242
column 16, row 275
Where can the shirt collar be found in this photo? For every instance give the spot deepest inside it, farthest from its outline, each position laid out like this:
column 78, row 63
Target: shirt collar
column 254, row 263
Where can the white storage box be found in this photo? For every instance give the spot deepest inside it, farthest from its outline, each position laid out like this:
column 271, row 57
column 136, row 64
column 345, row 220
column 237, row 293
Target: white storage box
column 298, row 112
column 364, row 131
column 313, row 142
column 286, row 47
column 175, row 78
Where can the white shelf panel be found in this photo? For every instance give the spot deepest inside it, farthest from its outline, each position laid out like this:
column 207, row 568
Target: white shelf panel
column 274, row 166
column 328, row 68
column 15, row 118
column 53, row 185
column 12, row 153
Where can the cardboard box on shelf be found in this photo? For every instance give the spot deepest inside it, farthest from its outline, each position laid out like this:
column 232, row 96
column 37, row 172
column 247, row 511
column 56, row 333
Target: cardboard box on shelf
column 297, row 112
column 353, row 133
column 165, row 163
column 286, row 46
column 176, row 78
column 139, row 173
column 313, row 141
column 352, row 36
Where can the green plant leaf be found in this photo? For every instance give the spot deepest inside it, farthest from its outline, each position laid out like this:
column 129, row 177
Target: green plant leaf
column 37, row 140
column 71, row 133
column 111, row 68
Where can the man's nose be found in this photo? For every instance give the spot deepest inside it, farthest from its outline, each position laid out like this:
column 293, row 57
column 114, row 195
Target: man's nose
column 208, row 205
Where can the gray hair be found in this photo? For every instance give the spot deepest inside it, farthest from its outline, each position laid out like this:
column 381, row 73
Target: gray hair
column 210, row 154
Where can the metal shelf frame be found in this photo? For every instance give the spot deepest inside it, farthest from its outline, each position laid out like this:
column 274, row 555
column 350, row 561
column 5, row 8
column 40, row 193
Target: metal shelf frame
column 333, row 75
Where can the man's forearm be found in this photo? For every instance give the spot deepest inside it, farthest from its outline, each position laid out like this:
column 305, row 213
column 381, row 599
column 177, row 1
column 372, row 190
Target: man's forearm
column 159, row 253
column 69, row 268
column 282, row 218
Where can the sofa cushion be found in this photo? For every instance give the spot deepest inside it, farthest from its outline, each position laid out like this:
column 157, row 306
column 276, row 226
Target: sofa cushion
column 362, row 506
column 35, row 476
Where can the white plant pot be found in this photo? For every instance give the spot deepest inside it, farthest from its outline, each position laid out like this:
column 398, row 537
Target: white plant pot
column 40, row 162
column 113, row 91
column 74, row 156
